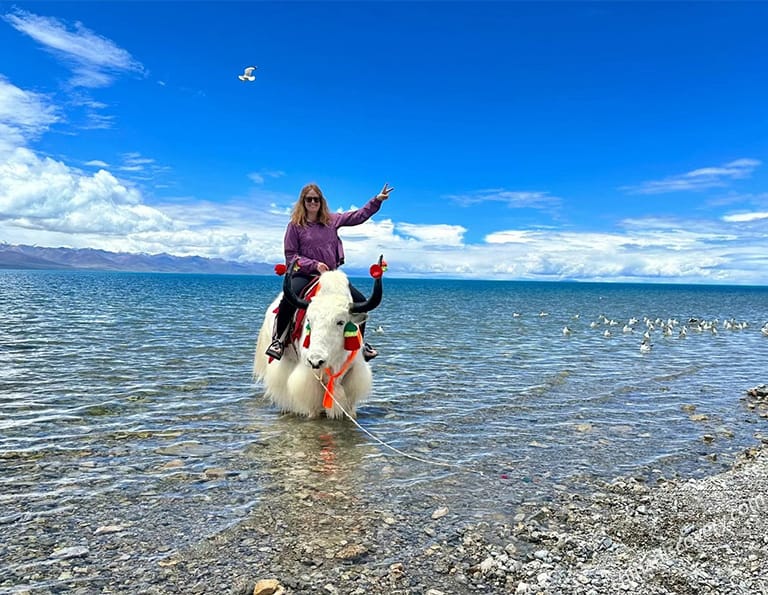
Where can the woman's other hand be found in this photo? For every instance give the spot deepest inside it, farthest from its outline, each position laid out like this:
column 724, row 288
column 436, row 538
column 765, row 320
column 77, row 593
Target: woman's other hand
column 322, row 267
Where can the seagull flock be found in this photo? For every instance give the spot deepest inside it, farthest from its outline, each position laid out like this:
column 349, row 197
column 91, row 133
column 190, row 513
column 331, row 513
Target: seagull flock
column 646, row 327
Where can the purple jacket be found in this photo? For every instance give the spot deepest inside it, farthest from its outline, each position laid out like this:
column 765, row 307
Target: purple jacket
column 316, row 242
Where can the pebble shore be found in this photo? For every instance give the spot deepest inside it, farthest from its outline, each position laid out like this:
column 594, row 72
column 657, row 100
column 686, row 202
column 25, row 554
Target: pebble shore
column 697, row 536
column 706, row 535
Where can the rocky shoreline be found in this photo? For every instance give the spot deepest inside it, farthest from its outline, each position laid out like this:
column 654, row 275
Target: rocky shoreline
column 706, row 535
column 697, row 536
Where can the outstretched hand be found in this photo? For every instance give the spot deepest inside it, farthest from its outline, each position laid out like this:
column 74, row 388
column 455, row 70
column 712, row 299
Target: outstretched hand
column 384, row 194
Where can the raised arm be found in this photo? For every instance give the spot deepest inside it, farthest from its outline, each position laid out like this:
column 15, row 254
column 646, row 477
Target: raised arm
column 361, row 215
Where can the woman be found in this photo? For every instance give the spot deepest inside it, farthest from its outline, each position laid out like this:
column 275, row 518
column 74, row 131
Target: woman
column 312, row 238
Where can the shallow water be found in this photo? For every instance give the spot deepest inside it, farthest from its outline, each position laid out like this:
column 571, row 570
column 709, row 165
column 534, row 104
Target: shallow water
column 126, row 396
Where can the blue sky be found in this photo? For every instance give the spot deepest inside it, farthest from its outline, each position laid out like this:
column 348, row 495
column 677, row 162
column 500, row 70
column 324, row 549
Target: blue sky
column 593, row 141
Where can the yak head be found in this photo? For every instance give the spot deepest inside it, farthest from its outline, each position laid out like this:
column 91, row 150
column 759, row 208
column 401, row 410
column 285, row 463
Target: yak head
column 332, row 319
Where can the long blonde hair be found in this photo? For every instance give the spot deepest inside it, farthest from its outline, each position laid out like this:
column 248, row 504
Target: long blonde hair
column 299, row 214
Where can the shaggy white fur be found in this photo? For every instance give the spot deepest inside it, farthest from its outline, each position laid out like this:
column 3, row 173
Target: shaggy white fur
column 291, row 383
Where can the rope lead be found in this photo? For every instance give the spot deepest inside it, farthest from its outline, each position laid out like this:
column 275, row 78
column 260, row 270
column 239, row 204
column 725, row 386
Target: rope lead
column 329, row 392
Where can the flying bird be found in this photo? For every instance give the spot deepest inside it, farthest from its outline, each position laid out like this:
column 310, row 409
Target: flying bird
column 248, row 74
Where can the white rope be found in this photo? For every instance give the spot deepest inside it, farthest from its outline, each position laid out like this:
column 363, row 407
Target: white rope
column 392, row 448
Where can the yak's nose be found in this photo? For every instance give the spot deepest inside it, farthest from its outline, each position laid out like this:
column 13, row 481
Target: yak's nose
column 316, row 363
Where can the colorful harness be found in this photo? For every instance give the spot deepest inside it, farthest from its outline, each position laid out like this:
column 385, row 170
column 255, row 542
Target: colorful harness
column 309, row 291
column 353, row 338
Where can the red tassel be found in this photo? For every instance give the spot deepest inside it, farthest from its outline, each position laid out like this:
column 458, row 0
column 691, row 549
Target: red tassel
column 352, row 343
column 306, row 340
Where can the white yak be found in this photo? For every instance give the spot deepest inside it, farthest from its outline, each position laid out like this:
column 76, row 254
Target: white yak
column 316, row 362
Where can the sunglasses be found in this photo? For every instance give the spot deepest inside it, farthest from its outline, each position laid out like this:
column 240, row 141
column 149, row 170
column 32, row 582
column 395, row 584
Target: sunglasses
column 311, row 199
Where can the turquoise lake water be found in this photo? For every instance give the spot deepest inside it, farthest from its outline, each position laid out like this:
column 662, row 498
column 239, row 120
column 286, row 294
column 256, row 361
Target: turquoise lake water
column 139, row 386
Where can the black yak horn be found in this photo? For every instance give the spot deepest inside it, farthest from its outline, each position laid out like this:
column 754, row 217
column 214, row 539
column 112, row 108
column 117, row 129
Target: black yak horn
column 376, row 295
column 288, row 292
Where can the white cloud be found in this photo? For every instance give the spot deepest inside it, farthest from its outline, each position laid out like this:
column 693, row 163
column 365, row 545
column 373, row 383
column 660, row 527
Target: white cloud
column 140, row 169
column 508, row 237
column 94, row 59
column 134, row 162
column 261, row 176
column 46, row 202
column 650, row 250
column 647, row 254
column 96, row 121
column 757, row 201
column 136, row 159
column 745, row 217
column 698, row 179
column 513, row 199
column 434, row 235
column 23, row 115
column 44, row 194
column 645, row 250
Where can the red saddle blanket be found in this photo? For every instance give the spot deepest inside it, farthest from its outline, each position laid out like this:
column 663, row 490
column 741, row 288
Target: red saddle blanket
column 297, row 324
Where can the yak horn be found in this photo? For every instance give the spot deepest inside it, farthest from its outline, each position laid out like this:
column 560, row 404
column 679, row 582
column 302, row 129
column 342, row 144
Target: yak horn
column 288, row 292
column 375, row 299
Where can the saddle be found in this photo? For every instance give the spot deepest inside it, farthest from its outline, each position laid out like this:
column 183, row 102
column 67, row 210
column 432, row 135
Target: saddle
column 296, row 325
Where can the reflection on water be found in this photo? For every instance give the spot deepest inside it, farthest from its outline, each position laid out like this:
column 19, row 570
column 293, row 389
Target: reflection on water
column 129, row 396
column 328, row 451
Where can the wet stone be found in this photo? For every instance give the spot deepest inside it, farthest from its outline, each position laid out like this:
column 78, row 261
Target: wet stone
column 70, row 552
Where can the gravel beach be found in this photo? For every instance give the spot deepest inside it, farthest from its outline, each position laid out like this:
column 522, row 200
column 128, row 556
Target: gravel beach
column 698, row 536
column 707, row 535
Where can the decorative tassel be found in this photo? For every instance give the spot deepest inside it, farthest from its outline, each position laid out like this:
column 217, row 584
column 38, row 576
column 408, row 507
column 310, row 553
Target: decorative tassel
column 351, row 337
column 306, row 337
column 377, row 270
column 331, row 386
column 328, row 395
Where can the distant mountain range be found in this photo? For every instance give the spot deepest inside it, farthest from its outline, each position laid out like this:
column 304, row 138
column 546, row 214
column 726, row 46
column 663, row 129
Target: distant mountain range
column 35, row 257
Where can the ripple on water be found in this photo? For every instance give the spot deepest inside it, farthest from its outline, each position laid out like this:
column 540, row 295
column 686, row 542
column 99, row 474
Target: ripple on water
column 129, row 397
